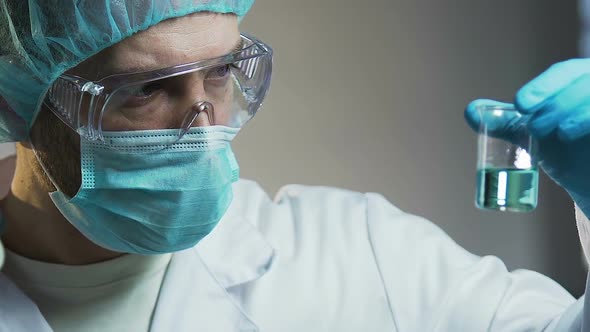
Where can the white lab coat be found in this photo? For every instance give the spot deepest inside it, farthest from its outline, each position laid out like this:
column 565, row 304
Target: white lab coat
column 323, row 259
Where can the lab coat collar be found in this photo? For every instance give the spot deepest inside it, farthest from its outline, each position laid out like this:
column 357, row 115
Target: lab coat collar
column 236, row 252
column 195, row 293
column 191, row 299
column 18, row 313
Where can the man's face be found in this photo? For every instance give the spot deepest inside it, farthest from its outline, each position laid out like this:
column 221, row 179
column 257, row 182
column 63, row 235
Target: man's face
column 183, row 40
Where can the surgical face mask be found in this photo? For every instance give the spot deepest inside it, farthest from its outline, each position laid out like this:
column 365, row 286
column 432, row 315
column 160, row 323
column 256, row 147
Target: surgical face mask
column 139, row 197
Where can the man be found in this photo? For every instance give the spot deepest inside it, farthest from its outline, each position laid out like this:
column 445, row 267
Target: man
column 125, row 213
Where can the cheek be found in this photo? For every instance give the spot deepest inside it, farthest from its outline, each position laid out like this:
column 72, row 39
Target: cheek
column 58, row 149
column 224, row 117
column 65, row 165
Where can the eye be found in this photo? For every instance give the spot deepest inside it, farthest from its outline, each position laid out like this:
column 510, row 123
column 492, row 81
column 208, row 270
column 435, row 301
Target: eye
column 146, row 90
column 141, row 95
column 220, row 72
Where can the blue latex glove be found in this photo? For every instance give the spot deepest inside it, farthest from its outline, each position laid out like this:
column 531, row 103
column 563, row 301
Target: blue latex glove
column 556, row 106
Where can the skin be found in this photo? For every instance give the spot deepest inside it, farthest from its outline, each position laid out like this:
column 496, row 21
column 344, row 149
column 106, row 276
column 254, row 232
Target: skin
column 35, row 228
column 7, row 166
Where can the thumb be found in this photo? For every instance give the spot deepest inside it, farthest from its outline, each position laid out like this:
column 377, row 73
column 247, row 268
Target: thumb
column 507, row 125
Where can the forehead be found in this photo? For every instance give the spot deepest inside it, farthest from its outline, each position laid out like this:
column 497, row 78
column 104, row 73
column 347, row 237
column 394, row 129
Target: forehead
column 181, row 40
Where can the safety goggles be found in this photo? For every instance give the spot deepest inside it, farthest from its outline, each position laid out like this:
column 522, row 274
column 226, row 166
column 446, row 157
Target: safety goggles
column 229, row 89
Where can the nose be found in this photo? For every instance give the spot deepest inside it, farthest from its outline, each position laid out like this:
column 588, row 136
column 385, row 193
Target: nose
column 205, row 115
column 201, row 114
column 205, row 103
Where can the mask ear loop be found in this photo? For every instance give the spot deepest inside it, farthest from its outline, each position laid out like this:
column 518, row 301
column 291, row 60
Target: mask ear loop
column 196, row 109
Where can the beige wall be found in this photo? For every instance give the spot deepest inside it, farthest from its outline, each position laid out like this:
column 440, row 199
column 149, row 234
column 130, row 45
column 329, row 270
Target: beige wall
column 369, row 95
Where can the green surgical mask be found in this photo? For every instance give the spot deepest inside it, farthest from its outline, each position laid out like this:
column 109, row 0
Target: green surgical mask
column 139, row 198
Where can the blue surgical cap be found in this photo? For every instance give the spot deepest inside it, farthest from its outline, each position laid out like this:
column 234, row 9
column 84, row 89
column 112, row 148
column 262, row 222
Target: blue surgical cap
column 42, row 39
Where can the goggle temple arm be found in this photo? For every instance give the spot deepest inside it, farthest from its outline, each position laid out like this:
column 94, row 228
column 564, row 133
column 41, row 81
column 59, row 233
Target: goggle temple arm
column 96, row 98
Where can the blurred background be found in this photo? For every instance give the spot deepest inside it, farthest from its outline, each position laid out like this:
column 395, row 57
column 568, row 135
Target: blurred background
column 369, row 95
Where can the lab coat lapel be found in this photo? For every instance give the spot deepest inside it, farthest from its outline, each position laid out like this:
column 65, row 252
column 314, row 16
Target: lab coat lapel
column 17, row 312
column 194, row 294
column 192, row 300
column 236, row 252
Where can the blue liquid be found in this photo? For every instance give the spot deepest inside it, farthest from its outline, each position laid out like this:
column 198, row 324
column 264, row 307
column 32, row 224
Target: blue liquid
column 507, row 189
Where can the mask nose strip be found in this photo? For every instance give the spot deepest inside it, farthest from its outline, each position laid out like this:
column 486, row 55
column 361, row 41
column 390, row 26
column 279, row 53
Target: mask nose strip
column 201, row 113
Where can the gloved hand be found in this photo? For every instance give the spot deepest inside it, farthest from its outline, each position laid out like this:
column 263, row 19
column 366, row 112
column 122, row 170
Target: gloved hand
column 556, row 106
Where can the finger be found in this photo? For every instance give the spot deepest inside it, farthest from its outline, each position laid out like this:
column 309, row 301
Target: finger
column 532, row 96
column 576, row 126
column 570, row 100
column 472, row 114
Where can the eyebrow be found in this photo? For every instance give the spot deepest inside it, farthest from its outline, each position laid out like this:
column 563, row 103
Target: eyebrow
column 239, row 45
column 117, row 71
